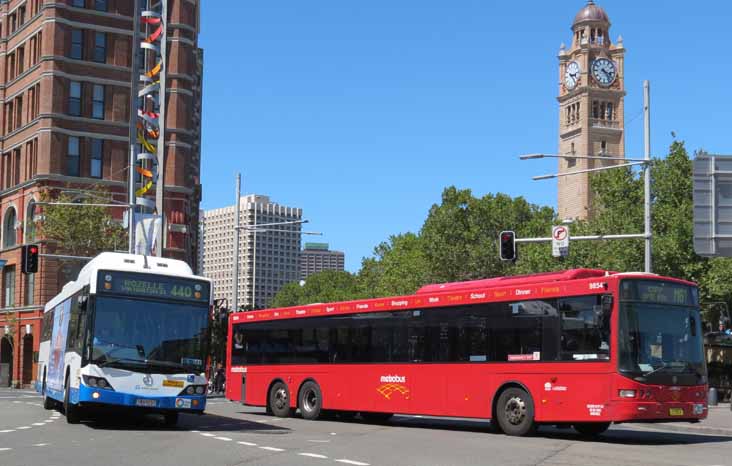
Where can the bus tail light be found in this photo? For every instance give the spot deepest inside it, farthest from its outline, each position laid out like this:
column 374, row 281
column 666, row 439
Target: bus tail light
column 627, row 393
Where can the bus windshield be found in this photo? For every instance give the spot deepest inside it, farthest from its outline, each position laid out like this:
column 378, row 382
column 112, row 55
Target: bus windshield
column 661, row 342
column 149, row 336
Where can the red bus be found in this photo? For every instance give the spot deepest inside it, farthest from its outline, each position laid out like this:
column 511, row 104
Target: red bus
column 581, row 347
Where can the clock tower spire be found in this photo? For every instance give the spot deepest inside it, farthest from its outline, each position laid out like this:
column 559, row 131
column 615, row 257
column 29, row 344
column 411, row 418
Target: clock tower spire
column 591, row 108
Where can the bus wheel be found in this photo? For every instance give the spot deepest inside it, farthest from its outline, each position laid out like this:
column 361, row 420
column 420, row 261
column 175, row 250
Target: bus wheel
column 311, row 400
column 376, row 417
column 48, row 402
column 515, row 412
column 171, row 419
column 71, row 411
column 590, row 429
column 279, row 400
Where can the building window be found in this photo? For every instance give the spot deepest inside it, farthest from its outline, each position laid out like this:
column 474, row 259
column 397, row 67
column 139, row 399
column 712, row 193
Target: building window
column 77, row 44
column 9, row 239
column 100, row 47
column 98, row 102
column 72, row 157
column 78, row 3
column 603, row 147
column 609, row 109
column 100, row 5
column 9, row 286
column 30, row 223
column 75, row 98
column 97, row 157
column 30, row 289
column 571, row 162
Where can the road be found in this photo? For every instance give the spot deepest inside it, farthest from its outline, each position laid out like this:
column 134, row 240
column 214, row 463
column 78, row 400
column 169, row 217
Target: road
column 231, row 434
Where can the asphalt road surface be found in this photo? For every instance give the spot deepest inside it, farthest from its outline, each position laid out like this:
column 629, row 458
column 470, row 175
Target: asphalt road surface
column 231, row 434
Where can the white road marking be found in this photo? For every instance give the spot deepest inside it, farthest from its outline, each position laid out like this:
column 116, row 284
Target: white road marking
column 23, row 427
column 205, row 434
column 332, row 433
column 319, row 441
column 195, row 431
column 6, row 431
column 272, row 449
column 314, row 455
column 5, row 449
column 249, row 444
column 39, row 424
column 40, row 445
column 225, row 439
column 356, row 463
column 17, row 401
column 48, row 421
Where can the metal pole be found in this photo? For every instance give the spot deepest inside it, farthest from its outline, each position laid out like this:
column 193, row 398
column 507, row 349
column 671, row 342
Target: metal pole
column 134, row 77
column 236, row 242
column 163, row 98
column 647, row 171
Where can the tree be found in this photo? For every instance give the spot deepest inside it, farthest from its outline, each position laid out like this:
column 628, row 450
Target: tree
column 399, row 266
column 322, row 287
column 80, row 231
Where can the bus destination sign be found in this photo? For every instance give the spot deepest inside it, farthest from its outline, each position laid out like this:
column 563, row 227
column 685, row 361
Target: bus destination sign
column 661, row 292
column 152, row 286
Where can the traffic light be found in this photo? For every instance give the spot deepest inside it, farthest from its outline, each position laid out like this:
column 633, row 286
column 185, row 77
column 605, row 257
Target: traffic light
column 507, row 245
column 29, row 262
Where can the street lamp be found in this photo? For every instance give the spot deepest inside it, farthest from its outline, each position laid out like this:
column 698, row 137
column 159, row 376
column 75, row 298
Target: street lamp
column 645, row 162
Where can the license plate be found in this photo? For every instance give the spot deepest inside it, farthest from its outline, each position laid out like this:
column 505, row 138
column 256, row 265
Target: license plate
column 676, row 412
column 146, row 403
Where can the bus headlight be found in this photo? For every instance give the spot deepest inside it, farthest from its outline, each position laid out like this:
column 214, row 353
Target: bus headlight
column 190, row 390
column 97, row 382
column 200, row 390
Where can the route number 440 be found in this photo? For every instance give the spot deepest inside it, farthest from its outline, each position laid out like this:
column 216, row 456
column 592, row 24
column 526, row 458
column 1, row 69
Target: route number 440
column 181, row 291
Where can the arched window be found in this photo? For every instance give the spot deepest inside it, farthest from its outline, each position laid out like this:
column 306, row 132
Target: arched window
column 9, row 239
column 30, row 222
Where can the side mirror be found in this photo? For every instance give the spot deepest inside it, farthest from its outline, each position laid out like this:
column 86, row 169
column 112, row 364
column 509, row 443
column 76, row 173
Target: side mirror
column 82, row 300
column 607, row 304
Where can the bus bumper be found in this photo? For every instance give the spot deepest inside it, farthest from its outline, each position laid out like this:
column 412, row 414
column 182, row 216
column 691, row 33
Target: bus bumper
column 89, row 396
column 645, row 411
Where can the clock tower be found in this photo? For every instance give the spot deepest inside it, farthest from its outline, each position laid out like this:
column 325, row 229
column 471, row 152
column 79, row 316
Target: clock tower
column 591, row 110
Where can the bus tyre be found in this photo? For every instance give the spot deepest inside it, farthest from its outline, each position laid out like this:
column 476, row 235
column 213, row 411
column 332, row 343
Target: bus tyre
column 591, row 429
column 48, row 402
column 279, row 400
column 311, row 400
column 71, row 410
column 171, row 419
column 515, row 412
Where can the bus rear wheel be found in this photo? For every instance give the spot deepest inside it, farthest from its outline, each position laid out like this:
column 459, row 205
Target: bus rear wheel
column 591, row 429
column 515, row 412
column 279, row 400
column 311, row 400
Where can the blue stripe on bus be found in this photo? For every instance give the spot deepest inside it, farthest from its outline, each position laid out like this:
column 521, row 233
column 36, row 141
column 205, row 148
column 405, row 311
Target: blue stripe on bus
column 110, row 397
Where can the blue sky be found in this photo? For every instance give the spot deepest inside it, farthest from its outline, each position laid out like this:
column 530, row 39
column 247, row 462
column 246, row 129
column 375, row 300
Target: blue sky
column 362, row 112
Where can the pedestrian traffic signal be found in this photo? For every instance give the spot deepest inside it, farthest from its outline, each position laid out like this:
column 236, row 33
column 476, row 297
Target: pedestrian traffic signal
column 29, row 261
column 507, row 245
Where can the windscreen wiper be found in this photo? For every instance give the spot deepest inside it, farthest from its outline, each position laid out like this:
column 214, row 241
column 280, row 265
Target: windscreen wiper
column 109, row 361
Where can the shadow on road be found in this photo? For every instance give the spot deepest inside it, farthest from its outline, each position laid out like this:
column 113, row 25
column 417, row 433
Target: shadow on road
column 106, row 420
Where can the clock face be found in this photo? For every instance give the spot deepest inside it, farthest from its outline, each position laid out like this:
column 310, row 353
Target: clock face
column 572, row 75
column 604, row 72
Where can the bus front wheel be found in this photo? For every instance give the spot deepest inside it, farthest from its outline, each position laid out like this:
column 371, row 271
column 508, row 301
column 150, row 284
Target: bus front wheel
column 279, row 400
column 515, row 412
column 48, row 402
column 311, row 400
column 590, row 429
column 71, row 410
column 171, row 419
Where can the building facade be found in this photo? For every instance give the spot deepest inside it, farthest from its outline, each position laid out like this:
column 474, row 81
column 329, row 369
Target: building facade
column 65, row 71
column 591, row 107
column 316, row 257
column 269, row 251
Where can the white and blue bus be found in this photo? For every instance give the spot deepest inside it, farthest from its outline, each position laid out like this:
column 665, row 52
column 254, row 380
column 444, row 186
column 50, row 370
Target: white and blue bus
column 132, row 332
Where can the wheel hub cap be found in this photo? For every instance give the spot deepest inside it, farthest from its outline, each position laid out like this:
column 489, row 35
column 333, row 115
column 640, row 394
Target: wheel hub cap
column 515, row 410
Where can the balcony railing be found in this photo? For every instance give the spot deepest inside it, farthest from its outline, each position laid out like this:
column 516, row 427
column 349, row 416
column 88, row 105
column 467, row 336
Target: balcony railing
column 600, row 123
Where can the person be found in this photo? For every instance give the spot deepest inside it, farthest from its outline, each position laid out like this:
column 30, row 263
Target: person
column 239, row 340
column 219, row 379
